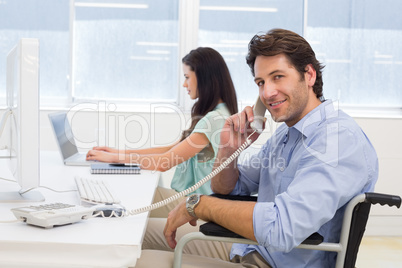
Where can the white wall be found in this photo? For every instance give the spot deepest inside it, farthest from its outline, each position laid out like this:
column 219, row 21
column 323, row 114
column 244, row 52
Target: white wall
column 165, row 127
column 385, row 135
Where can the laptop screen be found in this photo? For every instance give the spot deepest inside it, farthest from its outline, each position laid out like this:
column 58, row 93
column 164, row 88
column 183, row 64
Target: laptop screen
column 64, row 134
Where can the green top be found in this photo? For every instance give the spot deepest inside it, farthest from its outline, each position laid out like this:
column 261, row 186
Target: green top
column 196, row 168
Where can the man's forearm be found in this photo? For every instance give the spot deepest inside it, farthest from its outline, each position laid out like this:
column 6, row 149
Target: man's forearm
column 236, row 216
column 226, row 180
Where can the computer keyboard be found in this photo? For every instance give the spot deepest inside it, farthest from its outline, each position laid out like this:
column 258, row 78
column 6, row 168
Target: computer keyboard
column 54, row 214
column 95, row 191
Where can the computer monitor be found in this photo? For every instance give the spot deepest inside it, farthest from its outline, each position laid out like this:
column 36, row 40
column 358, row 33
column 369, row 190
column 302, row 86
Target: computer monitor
column 23, row 106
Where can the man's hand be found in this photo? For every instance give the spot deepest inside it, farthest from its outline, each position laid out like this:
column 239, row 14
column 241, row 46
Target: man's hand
column 236, row 130
column 177, row 217
column 236, row 216
column 234, row 133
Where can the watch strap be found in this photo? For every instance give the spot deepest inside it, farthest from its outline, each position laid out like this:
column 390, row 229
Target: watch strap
column 191, row 203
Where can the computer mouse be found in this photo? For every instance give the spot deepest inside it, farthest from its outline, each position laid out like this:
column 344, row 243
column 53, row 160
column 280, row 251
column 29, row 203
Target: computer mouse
column 108, row 211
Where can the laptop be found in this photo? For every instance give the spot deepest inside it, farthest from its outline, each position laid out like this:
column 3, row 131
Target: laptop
column 65, row 140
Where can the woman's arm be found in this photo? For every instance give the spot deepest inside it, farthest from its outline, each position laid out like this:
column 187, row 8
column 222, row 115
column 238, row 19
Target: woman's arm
column 154, row 150
column 107, row 154
column 161, row 159
column 179, row 153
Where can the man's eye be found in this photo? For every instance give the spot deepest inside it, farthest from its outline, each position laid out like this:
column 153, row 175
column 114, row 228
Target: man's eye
column 260, row 83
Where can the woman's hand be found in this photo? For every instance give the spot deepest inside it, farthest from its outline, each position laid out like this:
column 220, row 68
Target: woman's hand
column 107, row 149
column 103, row 155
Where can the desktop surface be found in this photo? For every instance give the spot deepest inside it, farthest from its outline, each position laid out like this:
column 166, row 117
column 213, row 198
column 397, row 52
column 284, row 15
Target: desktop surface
column 96, row 242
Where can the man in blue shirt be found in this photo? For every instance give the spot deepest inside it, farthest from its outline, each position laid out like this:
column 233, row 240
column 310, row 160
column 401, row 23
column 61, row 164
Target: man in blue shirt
column 304, row 174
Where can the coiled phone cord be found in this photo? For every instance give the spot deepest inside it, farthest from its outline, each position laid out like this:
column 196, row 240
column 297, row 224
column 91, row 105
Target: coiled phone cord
column 195, row 186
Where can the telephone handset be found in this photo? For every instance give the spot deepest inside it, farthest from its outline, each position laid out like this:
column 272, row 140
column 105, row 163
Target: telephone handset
column 259, row 112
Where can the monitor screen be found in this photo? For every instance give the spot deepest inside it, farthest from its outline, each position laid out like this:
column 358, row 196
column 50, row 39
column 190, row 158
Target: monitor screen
column 23, row 102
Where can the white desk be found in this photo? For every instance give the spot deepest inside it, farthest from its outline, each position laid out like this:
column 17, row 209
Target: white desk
column 96, row 242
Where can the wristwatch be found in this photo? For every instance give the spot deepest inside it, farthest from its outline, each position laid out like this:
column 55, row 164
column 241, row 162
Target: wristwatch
column 191, row 203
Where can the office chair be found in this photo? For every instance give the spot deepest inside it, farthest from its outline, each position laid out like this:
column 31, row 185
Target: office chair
column 353, row 227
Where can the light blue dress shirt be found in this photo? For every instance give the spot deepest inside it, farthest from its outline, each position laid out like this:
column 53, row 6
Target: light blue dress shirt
column 304, row 175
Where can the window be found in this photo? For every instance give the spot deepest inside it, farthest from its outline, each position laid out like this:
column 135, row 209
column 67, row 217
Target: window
column 126, row 50
column 131, row 50
column 229, row 25
column 359, row 42
column 49, row 22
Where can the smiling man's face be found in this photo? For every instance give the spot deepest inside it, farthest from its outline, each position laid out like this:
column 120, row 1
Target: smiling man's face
column 287, row 95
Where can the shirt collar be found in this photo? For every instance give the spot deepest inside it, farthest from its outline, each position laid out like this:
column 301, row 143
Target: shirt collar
column 219, row 105
column 307, row 125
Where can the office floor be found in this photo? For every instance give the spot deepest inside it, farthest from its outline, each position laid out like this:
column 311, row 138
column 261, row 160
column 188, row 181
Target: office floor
column 380, row 252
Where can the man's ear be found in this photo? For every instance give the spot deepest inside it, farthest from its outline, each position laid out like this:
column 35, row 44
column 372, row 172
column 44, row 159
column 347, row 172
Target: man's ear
column 310, row 75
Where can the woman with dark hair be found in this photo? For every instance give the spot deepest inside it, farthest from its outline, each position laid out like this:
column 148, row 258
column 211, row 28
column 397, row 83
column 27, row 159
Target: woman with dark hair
column 207, row 80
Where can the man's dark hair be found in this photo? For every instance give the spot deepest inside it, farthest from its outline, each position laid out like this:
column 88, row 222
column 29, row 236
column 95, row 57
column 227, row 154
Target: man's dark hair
column 293, row 46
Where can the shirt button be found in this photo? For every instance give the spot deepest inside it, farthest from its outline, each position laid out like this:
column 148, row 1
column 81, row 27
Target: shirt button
column 282, row 169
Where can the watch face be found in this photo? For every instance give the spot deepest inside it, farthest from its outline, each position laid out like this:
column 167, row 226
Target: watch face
column 191, row 203
column 193, row 199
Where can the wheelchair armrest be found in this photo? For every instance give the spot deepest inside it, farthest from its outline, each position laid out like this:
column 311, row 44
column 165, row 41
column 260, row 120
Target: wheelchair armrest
column 213, row 229
column 236, row 197
column 314, row 239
